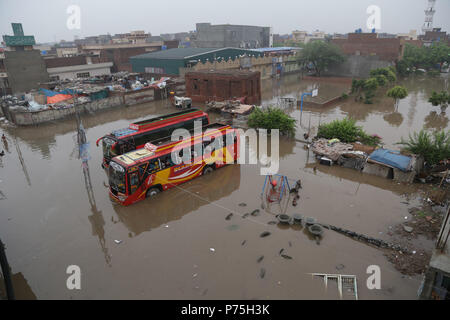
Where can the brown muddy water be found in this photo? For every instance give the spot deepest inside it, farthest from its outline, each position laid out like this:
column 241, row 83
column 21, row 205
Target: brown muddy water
column 48, row 221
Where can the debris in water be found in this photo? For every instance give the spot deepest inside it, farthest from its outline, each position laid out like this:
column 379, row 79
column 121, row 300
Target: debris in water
column 242, row 204
column 212, row 249
column 243, row 242
column 260, row 259
column 118, row 241
column 286, row 257
column 245, row 215
column 195, row 275
column 340, row 267
column 290, row 244
column 265, row 234
column 271, row 223
column 233, row 227
column 229, row 216
column 281, row 251
column 255, row 212
column 262, row 273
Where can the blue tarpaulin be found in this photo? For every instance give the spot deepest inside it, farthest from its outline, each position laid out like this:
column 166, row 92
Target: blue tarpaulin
column 391, row 158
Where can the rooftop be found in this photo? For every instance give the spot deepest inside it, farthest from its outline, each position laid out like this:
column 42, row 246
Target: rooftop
column 180, row 53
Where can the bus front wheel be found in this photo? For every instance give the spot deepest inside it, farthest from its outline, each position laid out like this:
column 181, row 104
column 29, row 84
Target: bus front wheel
column 153, row 192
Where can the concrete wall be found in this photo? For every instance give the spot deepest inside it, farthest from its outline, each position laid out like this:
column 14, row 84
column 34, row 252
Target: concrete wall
column 25, row 69
column 70, row 72
column 236, row 36
column 357, row 66
column 128, row 99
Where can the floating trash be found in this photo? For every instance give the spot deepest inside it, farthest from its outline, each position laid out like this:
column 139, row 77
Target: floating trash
column 310, row 221
column 229, row 216
column 245, row 215
column 212, row 249
column 242, row 204
column 297, row 218
column 262, row 273
column 265, row 234
column 118, row 241
column 255, row 212
column 281, row 251
column 271, row 223
column 316, row 230
column 233, row 227
column 285, row 256
column 243, row 242
column 260, row 259
column 284, row 218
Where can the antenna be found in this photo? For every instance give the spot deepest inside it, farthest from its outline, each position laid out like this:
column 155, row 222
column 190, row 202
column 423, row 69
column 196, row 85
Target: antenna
column 429, row 14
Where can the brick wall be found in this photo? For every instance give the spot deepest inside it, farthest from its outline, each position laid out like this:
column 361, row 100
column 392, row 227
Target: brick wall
column 221, row 85
column 367, row 44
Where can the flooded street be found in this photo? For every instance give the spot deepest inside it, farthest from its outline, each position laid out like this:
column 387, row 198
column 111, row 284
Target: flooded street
column 162, row 248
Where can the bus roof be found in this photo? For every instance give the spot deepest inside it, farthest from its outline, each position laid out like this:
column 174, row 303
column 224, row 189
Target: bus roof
column 163, row 145
column 151, row 122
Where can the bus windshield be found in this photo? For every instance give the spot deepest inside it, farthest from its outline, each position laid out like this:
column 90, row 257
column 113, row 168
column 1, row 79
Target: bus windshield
column 117, row 177
column 108, row 151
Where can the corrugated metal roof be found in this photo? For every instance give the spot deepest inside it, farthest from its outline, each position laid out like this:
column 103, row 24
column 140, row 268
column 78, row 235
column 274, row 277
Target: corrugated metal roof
column 180, row 53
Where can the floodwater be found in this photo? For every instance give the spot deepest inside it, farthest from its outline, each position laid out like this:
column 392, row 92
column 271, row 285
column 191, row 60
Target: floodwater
column 179, row 245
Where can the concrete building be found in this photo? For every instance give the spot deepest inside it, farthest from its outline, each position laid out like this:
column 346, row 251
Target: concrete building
column 21, row 66
column 435, row 36
column 120, row 54
column 202, row 86
column 235, row 36
column 305, row 37
column 77, row 67
column 169, row 62
column 412, row 35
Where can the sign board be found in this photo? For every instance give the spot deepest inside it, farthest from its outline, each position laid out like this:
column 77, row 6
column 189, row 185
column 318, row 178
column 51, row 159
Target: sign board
column 315, row 92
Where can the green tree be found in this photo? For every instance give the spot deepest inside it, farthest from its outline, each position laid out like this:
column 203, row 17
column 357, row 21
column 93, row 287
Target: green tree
column 440, row 99
column 321, row 55
column 397, row 93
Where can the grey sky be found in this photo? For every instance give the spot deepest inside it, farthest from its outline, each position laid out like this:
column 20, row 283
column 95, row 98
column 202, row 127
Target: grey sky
column 46, row 19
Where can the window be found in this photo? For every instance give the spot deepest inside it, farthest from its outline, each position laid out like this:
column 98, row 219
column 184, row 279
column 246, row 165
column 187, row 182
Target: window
column 134, row 182
column 166, row 162
column 83, row 75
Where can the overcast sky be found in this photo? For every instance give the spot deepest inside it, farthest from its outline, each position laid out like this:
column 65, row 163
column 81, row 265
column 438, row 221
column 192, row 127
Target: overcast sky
column 46, row 19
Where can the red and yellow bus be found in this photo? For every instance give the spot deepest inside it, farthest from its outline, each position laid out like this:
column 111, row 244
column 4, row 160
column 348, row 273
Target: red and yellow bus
column 144, row 173
column 139, row 133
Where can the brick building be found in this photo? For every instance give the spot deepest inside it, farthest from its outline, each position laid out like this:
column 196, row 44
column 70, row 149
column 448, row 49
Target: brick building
column 204, row 86
column 369, row 44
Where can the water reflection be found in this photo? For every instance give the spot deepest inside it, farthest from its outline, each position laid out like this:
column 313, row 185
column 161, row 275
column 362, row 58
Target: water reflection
column 22, row 161
column 394, row 119
column 96, row 219
column 436, row 121
column 22, row 290
column 173, row 204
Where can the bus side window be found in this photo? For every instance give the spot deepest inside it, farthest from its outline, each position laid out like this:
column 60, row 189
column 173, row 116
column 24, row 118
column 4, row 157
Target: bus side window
column 153, row 166
column 134, row 182
column 166, row 162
